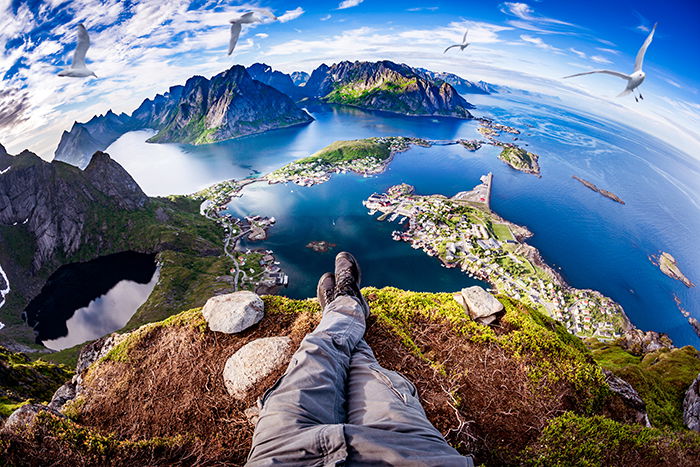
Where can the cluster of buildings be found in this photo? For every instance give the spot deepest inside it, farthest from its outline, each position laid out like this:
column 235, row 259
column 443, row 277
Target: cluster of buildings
column 460, row 235
column 310, row 172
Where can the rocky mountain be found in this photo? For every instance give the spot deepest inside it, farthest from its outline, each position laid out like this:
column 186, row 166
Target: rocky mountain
column 386, row 86
column 299, row 77
column 53, row 213
column 53, row 199
column 283, row 82
column 229, row 105
column 460, row 84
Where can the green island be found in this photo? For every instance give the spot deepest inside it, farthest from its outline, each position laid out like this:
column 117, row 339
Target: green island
column 519, row 159
column 463, row 232
column 512, row 154
column 363, row 156
column 669, row 266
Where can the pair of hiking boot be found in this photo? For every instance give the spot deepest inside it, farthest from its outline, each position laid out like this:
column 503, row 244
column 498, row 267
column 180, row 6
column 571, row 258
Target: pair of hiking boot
column 345, row 281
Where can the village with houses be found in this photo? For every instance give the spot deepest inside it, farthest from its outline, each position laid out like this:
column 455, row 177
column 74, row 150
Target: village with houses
column 462, row 232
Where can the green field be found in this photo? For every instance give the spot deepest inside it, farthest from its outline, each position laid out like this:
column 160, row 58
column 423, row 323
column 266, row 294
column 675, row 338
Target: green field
column 341, row 151
column 502, row 232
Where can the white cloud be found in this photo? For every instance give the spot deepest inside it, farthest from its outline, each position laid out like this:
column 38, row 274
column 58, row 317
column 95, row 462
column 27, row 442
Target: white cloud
column 610, row 51
column 422, row 8
column 537, row 42
column 349, row 4
column 642, row 28
column 291, row 14
column 600, row 59
column 262, row 35
column 526, row 13
column 326, row 18
column 673, row 83
column 578, row 52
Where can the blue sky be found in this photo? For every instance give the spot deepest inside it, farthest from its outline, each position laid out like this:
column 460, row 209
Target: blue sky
column 142, row 47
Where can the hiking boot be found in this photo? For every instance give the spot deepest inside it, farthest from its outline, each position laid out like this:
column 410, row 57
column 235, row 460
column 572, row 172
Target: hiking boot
column 347, row 278
column 325, row 290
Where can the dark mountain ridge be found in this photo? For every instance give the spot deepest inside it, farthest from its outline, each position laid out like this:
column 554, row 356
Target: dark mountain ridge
column 229, row 105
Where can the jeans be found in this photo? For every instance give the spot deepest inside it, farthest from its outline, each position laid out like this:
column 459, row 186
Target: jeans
column 335, row 405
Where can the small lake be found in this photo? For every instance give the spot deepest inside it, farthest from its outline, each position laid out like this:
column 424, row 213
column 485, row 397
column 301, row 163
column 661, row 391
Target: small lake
column 594, row 242
column 85, row 301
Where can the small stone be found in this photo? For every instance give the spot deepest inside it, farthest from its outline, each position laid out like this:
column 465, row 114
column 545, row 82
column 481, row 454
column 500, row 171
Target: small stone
column 481, row 305
column 252, row 414
column 234, row 312
column 254, row 362
column 25, row 415
column 691, row 406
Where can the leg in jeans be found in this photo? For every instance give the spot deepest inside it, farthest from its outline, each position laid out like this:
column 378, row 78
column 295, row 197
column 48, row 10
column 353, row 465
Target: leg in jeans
column 386, row 421
column 302, row 415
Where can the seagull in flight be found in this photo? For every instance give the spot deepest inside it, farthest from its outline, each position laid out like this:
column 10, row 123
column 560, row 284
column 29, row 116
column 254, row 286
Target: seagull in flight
column 77, row 68
column 461, row 46
column 236, row 23
column 637, row 77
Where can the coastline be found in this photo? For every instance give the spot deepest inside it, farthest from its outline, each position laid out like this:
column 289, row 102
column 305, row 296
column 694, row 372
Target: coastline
column 463, row 232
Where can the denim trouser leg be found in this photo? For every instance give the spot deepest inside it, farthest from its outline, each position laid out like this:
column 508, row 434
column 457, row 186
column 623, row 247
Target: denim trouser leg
column 336, row 404
column 386, row 422
column 302, row 415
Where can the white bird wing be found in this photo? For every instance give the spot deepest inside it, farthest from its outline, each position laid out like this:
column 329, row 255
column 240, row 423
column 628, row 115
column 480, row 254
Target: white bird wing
column 608, row 72
column 464, row 39
column 643, row 50
column 456, row 45
column 235, row 32
column 248, row 17
column 82, row 48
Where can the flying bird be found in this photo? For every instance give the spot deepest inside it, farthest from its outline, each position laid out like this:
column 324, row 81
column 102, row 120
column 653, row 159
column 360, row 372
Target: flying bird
column 637, row 77
column 461, row 46
column 77, row 68
column 236, row 23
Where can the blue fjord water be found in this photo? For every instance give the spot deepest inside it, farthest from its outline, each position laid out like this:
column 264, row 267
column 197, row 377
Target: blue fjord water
column 595, row 242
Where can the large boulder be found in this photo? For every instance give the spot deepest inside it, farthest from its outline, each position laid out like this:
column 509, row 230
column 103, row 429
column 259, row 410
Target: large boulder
column 481, row 305
column 254, row 362
column 691, row 406
column 234, row 312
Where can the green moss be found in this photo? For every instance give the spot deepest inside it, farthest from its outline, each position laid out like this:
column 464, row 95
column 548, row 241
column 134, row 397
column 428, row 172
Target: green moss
column 191, row 318
column 598, row 441
column 661, row 378
column 23, row 380
column 96, row 448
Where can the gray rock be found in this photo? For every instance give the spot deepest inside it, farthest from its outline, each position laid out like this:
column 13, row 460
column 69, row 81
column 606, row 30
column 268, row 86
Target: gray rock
column 629, row 396
column 254, row 362
column 234, row 312
column 25, row 415
column 89, row 354
column 252, row 414
column 481, row 305
column 640, row 342
column 63, row 395
column 691, row 406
